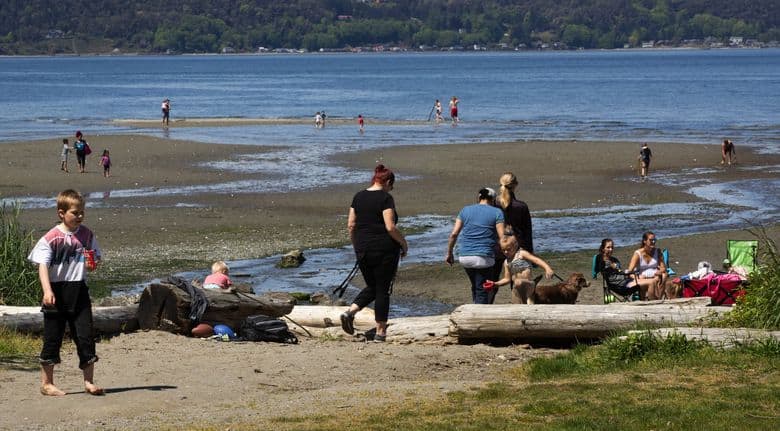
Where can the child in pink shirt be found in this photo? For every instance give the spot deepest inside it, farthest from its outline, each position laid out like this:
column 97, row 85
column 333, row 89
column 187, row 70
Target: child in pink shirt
column 218, row 279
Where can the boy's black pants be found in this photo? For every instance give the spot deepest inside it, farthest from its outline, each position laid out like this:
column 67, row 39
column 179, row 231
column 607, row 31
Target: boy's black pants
column 72, row 307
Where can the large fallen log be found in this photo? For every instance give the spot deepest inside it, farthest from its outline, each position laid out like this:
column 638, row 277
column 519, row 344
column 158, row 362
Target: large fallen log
column 107, row 320
column 719, row 337
column 166, row 307
column 426, row 329
column 475, row 322
column 326, row 316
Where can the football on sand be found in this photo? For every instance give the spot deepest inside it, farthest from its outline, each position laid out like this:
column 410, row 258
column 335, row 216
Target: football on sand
column 202, row 330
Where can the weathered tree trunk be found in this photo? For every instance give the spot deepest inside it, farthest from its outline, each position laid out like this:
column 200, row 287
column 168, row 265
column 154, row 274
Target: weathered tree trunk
column 325, row 316
column 427, row 329
column 697, row 301
column 107, row 320
column 474, row 322
column 718, row 337
column 166, row 307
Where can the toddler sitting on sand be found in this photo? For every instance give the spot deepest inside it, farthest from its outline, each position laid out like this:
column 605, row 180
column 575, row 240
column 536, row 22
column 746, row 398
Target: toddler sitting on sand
column 219, row 277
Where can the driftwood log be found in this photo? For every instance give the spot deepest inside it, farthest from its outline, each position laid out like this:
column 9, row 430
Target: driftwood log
column 166, row 307
column 481, row 322
column 326, row 316
column 107, row 320
column 718, row 337
column 404, row 330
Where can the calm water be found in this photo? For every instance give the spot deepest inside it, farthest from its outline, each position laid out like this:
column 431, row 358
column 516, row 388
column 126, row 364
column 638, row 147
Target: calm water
column 684, row 96
column 695, row 96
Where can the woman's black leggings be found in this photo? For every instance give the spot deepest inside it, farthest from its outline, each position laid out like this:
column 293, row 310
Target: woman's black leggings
column 378, row 269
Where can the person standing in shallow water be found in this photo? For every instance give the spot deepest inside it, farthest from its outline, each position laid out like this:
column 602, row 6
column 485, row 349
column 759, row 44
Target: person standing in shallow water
column 454, row 110
column 378, row 247
column 645, row 155
column 166, row 111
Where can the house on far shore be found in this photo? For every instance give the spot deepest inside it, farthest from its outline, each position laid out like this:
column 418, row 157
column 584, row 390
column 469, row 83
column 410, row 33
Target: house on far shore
column 735, row 41
column 648, row 44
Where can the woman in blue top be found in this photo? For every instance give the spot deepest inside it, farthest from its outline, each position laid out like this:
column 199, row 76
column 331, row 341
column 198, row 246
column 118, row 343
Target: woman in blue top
column 476, row 233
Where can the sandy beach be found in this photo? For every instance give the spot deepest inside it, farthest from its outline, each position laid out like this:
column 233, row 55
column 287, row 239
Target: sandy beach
column 181, row 381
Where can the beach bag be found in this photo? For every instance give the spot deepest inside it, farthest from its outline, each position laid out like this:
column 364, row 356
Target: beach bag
column 87, row 150
column 265, row 328
column 724, row 289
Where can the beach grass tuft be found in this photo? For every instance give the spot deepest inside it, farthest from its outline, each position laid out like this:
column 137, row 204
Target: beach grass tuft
column 760, row 306
column 18, row 278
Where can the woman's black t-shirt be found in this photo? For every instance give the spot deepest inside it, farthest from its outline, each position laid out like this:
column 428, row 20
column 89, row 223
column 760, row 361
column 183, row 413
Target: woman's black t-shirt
column 370, row 231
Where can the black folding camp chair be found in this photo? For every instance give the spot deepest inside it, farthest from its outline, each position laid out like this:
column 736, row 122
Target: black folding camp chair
column 615, row 291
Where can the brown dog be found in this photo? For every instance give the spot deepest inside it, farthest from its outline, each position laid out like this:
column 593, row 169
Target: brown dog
column 564, row 292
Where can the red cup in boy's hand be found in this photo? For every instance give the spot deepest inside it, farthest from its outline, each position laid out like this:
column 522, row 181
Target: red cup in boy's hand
column 89, row 260
column 488, row 285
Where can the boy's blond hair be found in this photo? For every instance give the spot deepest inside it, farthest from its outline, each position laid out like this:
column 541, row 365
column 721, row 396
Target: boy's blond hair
column 219, row 266
column 68, row 199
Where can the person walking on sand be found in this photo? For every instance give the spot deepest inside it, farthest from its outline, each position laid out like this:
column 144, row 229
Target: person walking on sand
column 63, row 255
column 166, row 111
column 82, row 149
column 64, row 155
column 378, row 247
column 518, row 221
column 476, row 231
column 105, row 162
column 454, row 110
column 645, row 155
column 728, row 153
column 361, row 123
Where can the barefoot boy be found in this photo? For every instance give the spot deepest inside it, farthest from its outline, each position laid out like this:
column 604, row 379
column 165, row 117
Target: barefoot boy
column 63, row 254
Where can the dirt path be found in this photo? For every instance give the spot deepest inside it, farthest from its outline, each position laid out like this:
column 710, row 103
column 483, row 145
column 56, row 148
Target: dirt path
column 156, row 378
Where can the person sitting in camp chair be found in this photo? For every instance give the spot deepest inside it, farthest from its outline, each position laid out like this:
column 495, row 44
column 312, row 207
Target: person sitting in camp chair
column 616, row 280
column 649, row 264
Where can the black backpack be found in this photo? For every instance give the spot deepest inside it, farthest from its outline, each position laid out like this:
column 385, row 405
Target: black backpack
column 265, row 328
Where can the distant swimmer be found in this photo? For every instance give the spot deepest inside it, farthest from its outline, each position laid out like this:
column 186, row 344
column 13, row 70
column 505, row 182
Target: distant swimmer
column 318, row 122
column 454, row 110
column 437, row 107
column 166, row 111
column 361, row 123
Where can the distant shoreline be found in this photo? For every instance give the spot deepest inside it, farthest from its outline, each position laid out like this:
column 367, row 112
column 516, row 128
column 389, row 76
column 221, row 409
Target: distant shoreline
column 393, row 52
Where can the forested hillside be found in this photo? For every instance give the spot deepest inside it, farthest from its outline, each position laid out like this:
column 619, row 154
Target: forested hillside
column 198, row 26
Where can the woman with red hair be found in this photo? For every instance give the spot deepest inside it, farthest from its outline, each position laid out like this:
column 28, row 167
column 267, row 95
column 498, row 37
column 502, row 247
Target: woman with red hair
column 378, row 246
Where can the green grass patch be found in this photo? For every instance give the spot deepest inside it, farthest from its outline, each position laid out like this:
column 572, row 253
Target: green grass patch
column 18, row 351
column 18, row 278
column 760, row 306
column 635, row 383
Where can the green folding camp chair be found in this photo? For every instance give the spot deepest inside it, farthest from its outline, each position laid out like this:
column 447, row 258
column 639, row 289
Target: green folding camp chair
column 742, row 253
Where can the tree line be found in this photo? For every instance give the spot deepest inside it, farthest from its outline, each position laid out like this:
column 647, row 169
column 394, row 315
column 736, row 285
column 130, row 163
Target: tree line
column 206, row 26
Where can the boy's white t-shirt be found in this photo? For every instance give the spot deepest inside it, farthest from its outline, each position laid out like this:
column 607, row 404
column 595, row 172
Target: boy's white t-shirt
column 63, row 252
